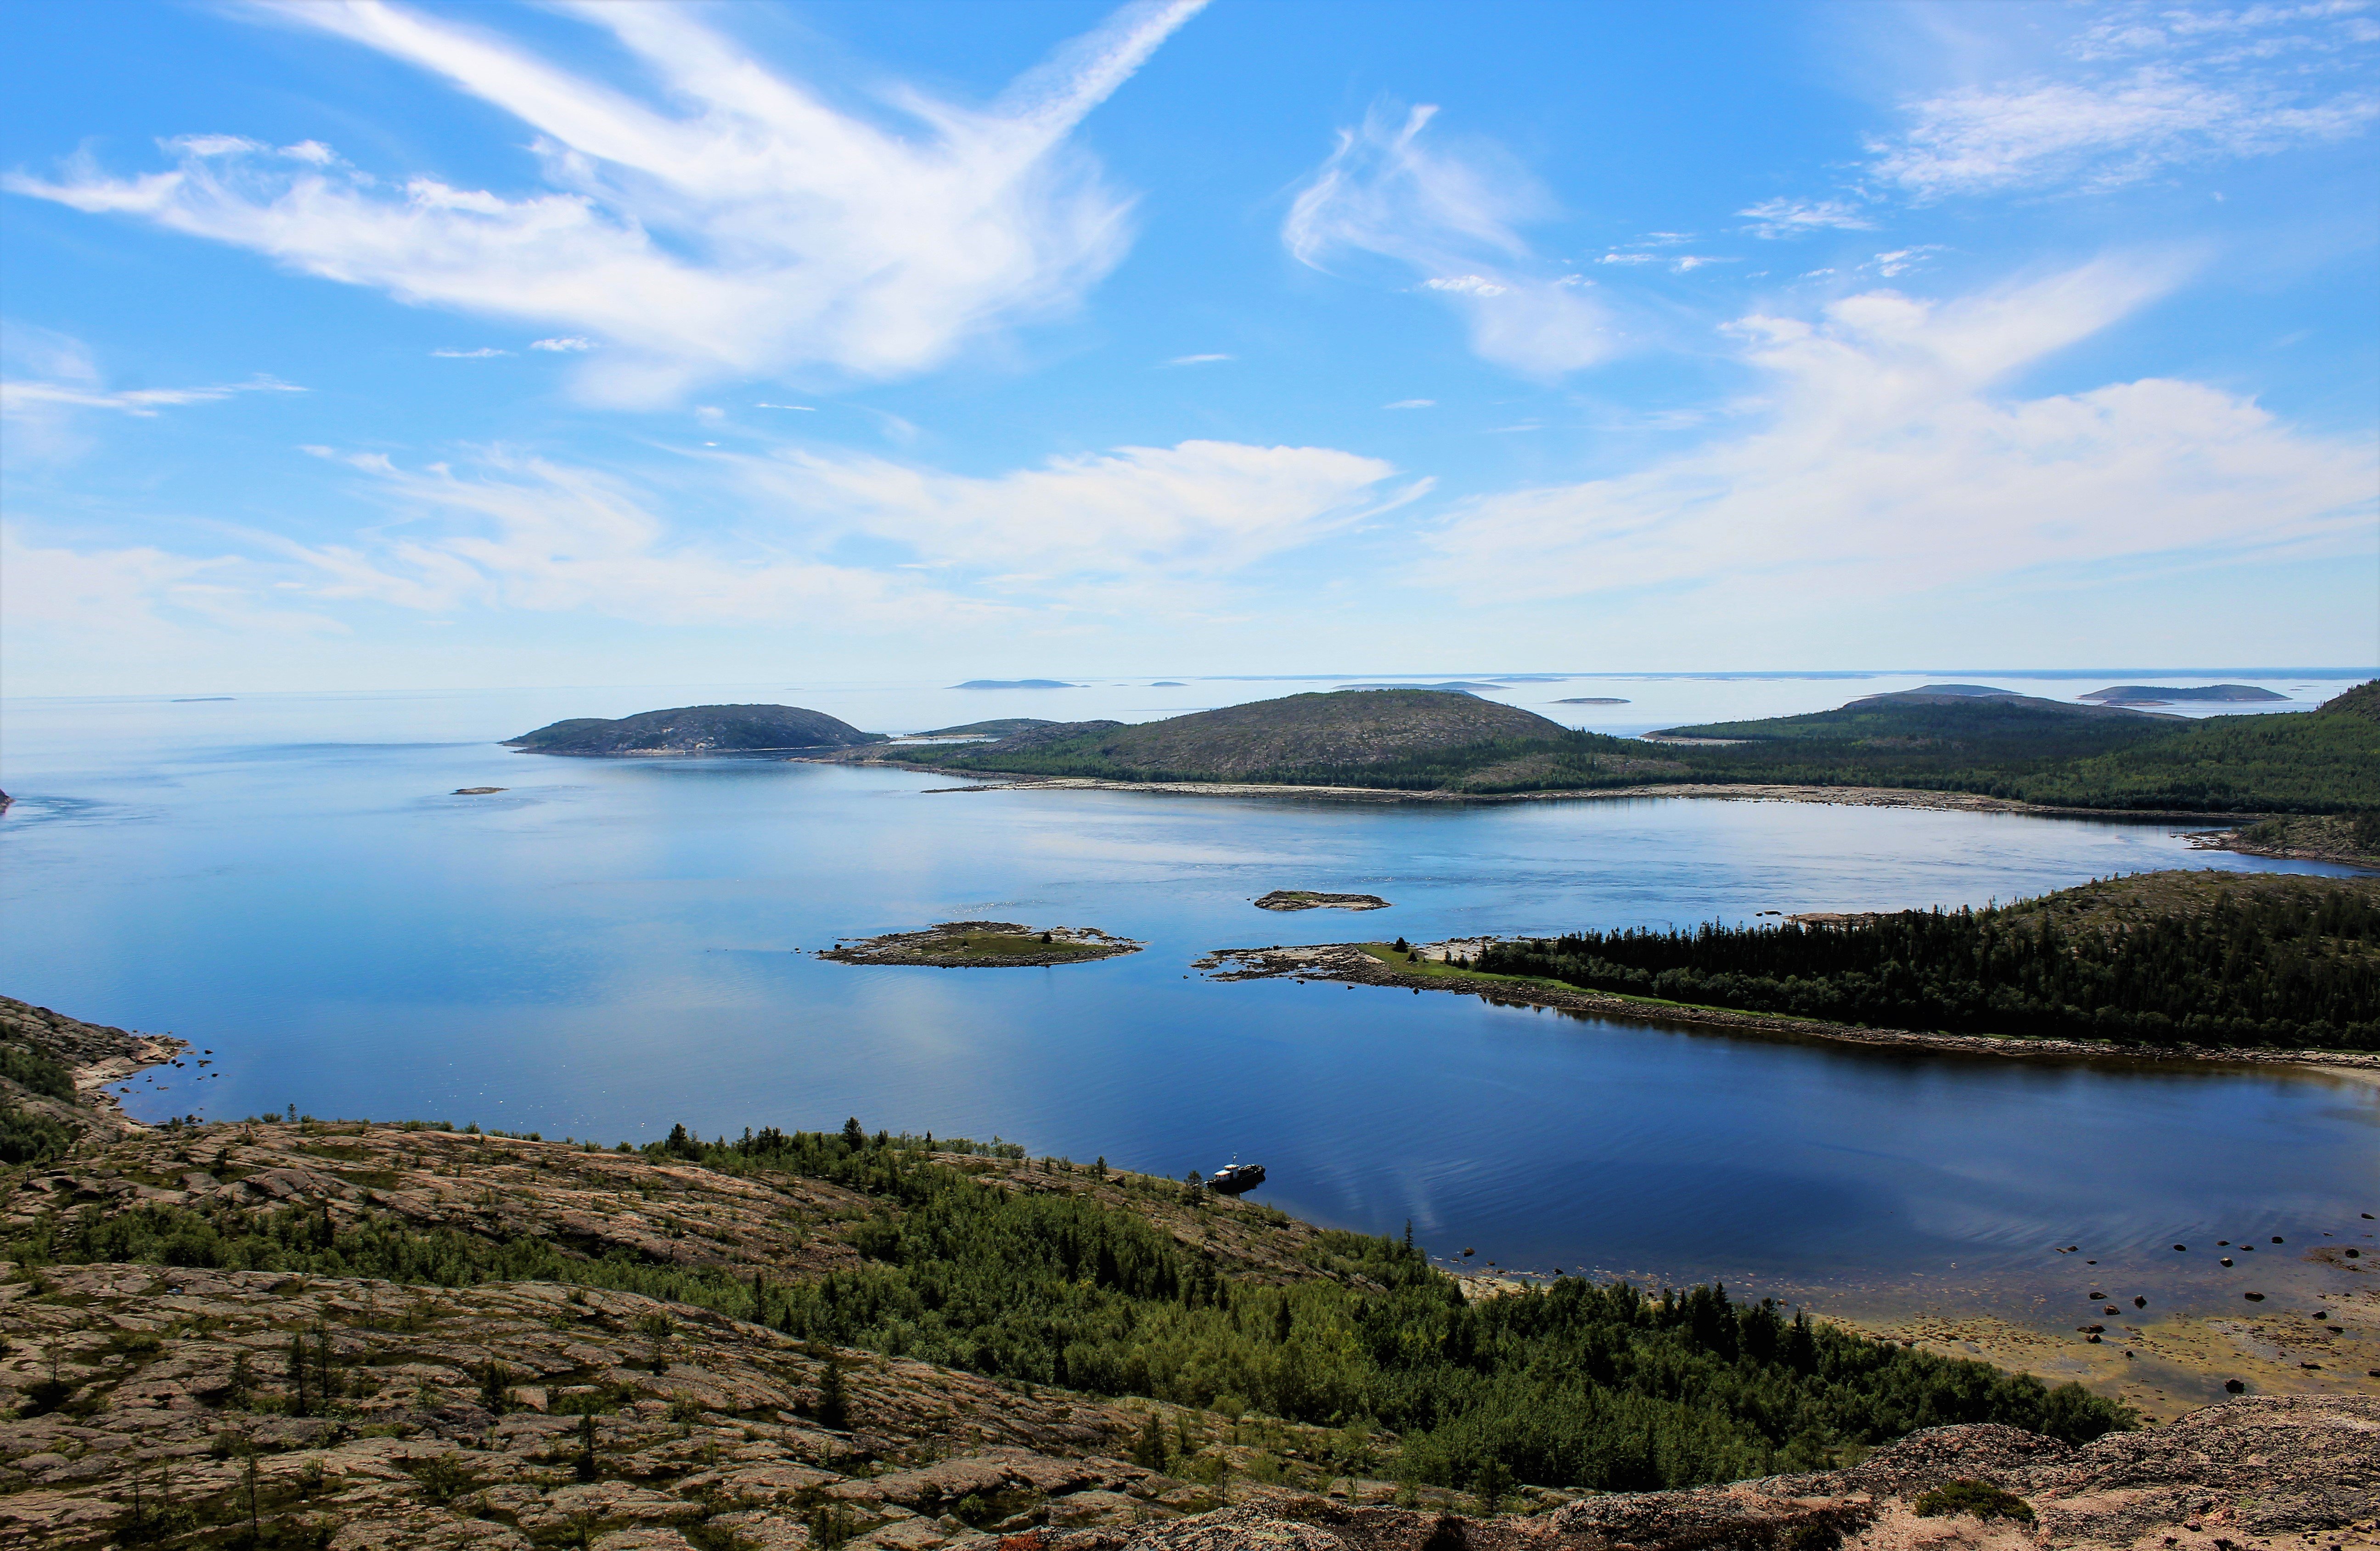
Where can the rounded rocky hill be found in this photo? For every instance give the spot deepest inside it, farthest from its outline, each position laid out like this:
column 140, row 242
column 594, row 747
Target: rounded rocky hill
column 1344, row 729
column 696, row 730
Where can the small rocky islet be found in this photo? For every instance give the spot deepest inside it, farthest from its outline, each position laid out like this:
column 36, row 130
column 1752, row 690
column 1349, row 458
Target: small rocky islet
column 983, row 945
column 1311, row 899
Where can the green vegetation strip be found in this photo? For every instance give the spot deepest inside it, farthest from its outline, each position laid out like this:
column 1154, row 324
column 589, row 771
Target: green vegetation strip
column 1013, row 947
column 27, row 1137
column 1403, row 961
column 1578, row 1384
column 2201, row 959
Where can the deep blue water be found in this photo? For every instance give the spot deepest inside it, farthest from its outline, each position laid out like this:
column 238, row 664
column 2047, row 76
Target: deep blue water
column 609, row 947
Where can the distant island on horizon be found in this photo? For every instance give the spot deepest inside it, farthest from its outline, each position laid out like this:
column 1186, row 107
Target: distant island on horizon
column 1016, row 683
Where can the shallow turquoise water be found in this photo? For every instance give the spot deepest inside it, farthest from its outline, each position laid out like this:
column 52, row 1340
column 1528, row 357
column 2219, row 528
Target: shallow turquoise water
column 609, row 947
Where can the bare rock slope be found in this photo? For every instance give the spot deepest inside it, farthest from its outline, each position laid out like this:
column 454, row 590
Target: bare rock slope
column 173, row 1406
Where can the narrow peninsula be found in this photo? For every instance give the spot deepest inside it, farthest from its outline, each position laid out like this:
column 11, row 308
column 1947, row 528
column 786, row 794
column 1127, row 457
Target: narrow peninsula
column 2255, row 968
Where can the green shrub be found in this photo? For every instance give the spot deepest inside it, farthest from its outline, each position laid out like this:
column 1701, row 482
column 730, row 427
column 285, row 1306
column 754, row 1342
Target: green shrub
column 1979, row 1498
column 442, row 1478
column 35, row 1071
column 30, row 1138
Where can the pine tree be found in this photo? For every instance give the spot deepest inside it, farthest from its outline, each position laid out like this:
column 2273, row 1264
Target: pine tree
column 1150, row 1452
column 833, row 1409
column 298, row 1374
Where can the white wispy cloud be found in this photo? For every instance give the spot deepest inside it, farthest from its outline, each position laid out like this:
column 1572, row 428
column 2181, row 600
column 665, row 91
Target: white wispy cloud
column 1129, row 533
column 2143, row 88
column 1199, row 360
column 1453, row 216
column 485, row 352
column 514, row 531
column 563, row 345
column 19, row 397
column 1888, row 463
column 2089, row 137
column 1900, row 261
column 1196, row 511
column 1412, row 403
column 1679, row 263
column 57, row 597
column 734, row 225
column 48, row 380
column 1792, row 218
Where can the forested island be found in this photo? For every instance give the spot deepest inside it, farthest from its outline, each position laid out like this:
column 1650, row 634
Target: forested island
column 696, row 730
column 1947, row 739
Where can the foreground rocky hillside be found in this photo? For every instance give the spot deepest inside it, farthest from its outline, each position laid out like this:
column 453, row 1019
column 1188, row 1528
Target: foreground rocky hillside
column 165, row 1406
column 341, row 1335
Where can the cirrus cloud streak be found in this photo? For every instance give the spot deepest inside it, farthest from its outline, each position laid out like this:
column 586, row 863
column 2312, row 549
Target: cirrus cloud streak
column 759, row 230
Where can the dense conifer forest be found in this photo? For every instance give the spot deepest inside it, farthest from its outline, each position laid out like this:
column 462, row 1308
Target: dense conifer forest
column 1570, row 1384
column 2190, row 959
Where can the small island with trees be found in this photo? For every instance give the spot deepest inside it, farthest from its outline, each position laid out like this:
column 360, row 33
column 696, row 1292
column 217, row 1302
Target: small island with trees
column 696, row 730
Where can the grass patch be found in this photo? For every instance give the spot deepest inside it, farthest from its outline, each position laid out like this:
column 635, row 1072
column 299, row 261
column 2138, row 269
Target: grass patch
column 991, row 947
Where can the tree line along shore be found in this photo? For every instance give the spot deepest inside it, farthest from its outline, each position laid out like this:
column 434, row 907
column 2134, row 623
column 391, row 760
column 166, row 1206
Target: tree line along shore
column 2222, row 965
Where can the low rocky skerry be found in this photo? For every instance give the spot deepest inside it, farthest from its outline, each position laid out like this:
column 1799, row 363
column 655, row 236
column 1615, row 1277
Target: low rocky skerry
column 984, row 945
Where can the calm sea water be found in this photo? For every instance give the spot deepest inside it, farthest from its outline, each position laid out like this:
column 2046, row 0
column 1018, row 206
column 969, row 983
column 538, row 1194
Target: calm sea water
column 609, row 947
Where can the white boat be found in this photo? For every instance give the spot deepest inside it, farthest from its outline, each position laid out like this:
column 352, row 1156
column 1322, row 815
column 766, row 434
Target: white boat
column 1235, row 1176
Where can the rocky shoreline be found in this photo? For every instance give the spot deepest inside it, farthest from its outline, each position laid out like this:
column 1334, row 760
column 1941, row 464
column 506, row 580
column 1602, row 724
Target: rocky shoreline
column 1346, row 963
column 96, row 1054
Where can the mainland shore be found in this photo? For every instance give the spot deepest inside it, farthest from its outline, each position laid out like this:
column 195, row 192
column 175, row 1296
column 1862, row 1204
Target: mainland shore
column 1347, row 963
column 1748, row 792
column 2225, row 836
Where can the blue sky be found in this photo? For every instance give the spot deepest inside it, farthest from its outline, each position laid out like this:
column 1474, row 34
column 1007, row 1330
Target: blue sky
column 382, row 345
